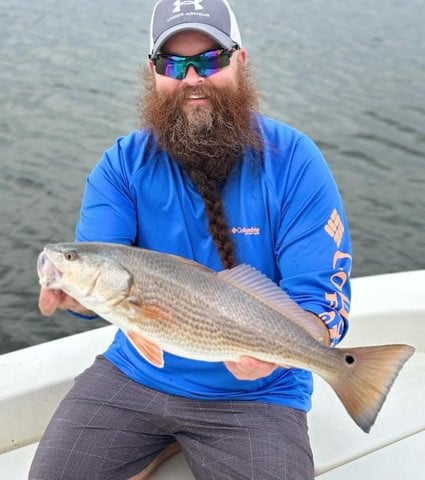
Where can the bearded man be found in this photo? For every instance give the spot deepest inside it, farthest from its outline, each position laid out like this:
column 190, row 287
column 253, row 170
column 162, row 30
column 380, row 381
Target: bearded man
column 208, row 178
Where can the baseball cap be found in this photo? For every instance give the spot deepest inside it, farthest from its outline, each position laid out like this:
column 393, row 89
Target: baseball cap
column 215, row 18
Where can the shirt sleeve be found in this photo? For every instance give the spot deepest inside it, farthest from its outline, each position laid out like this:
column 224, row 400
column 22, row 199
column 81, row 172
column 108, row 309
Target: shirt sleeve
column 108, row 212
column 313, row 244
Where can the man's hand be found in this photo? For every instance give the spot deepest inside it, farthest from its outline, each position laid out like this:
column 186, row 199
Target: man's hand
column 51, row 299
column 249, row 368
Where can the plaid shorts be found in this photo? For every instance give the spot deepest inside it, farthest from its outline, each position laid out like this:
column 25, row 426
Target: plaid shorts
column 110, row 427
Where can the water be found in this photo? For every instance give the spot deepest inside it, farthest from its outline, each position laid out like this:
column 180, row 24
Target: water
column 349, row 74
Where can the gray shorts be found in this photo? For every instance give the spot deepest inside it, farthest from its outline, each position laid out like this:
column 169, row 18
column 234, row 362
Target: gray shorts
column 109, row 427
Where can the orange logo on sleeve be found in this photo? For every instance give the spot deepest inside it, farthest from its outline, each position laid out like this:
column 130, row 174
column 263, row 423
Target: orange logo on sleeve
column 335, row 228
column 337, row 300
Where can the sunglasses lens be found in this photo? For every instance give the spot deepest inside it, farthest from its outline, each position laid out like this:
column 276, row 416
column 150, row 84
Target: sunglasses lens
column 171, row 66
column 205, row 64
column 211, row 62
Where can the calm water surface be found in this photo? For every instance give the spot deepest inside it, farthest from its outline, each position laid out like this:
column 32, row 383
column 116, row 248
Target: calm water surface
column 349, row 74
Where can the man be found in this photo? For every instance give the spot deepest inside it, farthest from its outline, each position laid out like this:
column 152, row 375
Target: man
column 209, row 179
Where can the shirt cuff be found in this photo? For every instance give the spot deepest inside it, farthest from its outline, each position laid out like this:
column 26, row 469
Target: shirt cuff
column 82, row 316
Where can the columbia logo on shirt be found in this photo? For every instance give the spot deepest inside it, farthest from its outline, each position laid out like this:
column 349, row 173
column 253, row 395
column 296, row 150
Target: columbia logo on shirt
column 246, row 230
column 335, row 228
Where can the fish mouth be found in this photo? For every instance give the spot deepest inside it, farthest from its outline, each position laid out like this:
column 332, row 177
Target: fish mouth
column 49, row 276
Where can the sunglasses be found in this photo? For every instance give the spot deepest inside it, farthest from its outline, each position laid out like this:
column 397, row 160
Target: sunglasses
column 206, row 63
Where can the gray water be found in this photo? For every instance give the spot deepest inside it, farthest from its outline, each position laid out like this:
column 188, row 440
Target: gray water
column 349, row 74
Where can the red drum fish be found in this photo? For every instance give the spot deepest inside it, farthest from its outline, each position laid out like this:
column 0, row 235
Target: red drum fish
column 167, row 303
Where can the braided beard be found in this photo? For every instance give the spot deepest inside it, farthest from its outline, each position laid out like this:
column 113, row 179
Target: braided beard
column 208, row 141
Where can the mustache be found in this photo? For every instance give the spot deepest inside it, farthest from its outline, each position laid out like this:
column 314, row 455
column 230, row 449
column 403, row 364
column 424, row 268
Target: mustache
column 204, row 91
column 215, row 95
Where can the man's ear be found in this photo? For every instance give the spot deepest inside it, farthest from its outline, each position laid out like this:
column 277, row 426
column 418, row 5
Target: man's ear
column 151, row 66
column 243, row 55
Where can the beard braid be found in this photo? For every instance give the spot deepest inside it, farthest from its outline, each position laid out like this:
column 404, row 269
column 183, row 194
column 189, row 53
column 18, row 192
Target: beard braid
column 208, row 141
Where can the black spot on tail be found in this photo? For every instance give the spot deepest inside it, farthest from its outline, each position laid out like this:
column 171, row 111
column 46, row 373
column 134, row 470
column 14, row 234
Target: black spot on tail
column 349, row 359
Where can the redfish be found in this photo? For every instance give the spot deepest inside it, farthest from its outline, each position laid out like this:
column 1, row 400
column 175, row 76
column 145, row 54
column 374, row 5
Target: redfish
column 166, row 303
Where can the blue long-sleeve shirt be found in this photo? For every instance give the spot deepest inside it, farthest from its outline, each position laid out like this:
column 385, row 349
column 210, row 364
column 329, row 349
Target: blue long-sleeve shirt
column 286, row 219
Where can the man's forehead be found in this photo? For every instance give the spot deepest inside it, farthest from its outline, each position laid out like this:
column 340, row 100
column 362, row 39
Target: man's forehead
column 188, row 38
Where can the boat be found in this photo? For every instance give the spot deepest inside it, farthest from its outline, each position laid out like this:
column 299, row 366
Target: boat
column 387, row 308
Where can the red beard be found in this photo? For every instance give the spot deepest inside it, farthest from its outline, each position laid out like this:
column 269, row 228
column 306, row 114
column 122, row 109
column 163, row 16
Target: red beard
column 207, row 140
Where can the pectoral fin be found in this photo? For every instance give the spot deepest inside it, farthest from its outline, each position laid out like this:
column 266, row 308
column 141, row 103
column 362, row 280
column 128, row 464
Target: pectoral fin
column 149, row 350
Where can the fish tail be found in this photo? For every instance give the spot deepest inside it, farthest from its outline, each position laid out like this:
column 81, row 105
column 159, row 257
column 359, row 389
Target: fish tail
column 367, row 378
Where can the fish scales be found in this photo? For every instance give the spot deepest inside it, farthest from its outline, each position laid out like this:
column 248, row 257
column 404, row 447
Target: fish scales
column 199, row 303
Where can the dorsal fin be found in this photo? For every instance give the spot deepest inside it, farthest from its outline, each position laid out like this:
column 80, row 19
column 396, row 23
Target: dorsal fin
column 258, row 285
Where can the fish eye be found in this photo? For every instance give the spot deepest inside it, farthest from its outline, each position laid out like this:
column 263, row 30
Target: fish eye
column 70, row 255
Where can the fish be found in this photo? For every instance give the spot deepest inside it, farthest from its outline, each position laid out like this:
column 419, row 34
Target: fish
column 164, row 302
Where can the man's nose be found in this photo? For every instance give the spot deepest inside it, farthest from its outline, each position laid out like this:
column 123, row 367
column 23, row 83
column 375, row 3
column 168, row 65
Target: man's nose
column 192, row 76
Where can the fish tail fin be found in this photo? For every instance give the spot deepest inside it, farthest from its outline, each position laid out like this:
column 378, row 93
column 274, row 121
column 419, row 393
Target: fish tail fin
column 368, row 376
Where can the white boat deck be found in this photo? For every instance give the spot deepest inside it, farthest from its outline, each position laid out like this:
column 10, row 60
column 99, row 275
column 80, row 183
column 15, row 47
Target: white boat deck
column 385, row 309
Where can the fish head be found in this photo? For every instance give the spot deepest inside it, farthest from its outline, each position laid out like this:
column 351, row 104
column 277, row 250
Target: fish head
column 86, row 272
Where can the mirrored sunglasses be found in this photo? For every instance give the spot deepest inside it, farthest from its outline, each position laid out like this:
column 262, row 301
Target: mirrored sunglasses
column 206, row 63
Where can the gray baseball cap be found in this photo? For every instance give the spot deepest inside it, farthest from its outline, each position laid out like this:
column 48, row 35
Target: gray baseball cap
column 215, row 18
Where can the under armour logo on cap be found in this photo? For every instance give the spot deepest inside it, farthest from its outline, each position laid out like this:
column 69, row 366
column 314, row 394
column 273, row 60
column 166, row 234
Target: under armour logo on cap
column 214, row 18
column 196, row 3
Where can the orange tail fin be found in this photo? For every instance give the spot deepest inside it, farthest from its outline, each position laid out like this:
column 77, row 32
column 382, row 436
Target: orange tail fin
column 368, row 376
